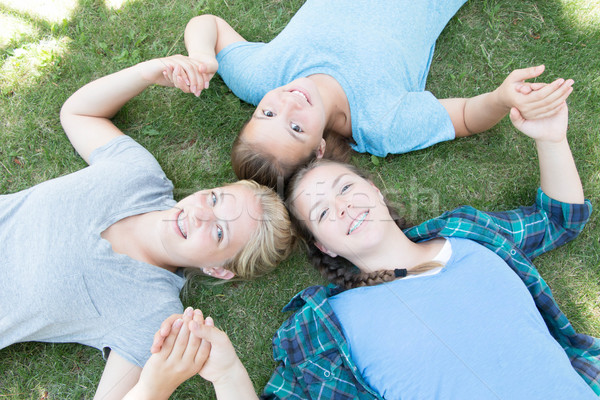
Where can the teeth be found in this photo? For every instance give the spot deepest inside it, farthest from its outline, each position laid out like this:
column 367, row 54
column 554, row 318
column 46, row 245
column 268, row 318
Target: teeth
column 298, row 93
column 358, row 222
column 180, row 225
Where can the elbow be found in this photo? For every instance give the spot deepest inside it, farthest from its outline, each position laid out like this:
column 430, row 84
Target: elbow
column 201, row 20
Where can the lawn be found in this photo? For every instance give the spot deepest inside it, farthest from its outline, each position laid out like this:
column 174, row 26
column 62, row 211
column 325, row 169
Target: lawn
column 50, row 49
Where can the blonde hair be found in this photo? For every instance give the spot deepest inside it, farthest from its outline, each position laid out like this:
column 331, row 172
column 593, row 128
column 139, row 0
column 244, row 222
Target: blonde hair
column 338, row 270
column 271, row 243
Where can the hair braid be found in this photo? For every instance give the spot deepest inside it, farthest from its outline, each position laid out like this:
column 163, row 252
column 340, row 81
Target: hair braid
column 338, row 270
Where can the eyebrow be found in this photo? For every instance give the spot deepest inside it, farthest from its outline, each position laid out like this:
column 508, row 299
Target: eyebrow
column 289, row 130
column 225, row 223
column 333, row 184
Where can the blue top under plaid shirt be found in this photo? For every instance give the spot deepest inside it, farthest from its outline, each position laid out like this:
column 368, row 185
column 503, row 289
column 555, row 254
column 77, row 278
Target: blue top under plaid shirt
column 314, row 357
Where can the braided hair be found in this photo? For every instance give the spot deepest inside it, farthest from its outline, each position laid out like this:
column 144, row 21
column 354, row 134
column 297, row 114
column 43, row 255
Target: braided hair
column 338, row 270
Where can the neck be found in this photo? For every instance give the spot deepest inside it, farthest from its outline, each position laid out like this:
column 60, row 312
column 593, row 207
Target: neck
column 137, row 237
column 335, row 102
column 397, row 251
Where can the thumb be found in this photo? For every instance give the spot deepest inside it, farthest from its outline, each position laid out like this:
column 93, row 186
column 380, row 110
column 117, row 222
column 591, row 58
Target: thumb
column 206, row 331
column 526, row 73
column 516, row 118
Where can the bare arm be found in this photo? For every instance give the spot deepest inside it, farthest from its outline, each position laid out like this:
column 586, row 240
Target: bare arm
column 118, row 378
column 208, row 34
column 205, row 36
column 480, row 113
column 182, row 356
column 223, row 367
column 558, row 172
column 86, row 115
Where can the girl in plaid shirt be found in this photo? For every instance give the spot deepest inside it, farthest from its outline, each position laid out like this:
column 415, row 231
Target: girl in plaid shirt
column 355, row 241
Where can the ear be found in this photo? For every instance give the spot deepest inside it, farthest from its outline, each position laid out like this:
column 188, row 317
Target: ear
column 321, row 149
column 222, row 273
column 324, row 250
column 378, row 191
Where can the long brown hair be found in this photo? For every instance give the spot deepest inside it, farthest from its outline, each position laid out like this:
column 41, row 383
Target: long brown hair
column 338, row 270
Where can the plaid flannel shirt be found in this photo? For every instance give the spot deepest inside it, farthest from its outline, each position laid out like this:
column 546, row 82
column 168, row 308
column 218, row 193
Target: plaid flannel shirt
column 314, row 357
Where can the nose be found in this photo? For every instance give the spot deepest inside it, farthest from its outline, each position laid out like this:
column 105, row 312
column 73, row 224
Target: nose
column 342, row 205
column 289, row 102
column 201, row 215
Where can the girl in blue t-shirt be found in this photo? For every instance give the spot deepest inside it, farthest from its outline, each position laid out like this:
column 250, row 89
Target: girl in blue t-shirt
column 451, row 321
column 346, row 72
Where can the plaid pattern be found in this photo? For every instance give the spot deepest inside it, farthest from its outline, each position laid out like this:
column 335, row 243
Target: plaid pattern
column 313, row 355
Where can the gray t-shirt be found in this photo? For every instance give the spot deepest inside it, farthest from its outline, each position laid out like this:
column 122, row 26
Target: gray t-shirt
column 61, row 282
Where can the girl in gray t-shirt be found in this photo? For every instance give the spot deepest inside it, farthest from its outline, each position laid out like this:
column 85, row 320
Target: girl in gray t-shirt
column 95, row 257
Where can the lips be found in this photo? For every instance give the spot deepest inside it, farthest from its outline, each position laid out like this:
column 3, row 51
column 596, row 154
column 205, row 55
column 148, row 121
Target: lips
column 181, row 224
column 358, row 222
column 302, row 94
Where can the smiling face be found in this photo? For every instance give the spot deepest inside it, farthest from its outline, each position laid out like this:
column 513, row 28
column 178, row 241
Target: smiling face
column 345, row 213
column 208, row 228
column 289, row 120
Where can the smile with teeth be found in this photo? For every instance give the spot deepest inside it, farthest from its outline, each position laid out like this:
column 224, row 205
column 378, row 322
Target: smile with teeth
column 300, row 94
column 357, row 222
column 181, row 225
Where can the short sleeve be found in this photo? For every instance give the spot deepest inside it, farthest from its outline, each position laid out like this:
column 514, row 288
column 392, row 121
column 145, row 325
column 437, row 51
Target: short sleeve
column 412, row 121
column 133, row 338
column 242, row 70
column 125, row 150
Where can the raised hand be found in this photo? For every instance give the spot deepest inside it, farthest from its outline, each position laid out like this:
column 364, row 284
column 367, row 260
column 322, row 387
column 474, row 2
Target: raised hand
column 191, row 74
column 533, row 100
column 552, row 128
column 182, row 355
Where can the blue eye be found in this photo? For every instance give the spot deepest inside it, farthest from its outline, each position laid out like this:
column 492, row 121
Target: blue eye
column 296, row 127
column 268, row 113
column 322, row 215
column 213, row 198
column 219, row 234
column 345, row 188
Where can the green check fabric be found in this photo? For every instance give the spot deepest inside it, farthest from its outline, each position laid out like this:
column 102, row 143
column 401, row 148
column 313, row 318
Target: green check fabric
column 314, row 357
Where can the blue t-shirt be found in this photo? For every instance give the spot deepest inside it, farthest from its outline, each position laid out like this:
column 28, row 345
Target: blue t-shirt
column 61, row 281
column 379, row 52
column 471, row 331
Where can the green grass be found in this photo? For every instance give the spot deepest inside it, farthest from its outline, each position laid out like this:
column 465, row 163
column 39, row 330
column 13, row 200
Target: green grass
column 43, row 60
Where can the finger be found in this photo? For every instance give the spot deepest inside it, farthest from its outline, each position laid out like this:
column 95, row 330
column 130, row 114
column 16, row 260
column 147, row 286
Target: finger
column 552, row 90
column 548, row 103
column 167, row 347
column 206, row 331
column 526, row 73
column 537, row 85
column 163, row 332
column 516, row 118
column 524, row 89
column 191, row 76
column 551, row 112
column 183, row 336
column 194, row 341
column 202, row 354
column 179, row 80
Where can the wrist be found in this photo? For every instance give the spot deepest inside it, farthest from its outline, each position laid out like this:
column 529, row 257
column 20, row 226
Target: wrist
column 234, row 376
column 499, row 100
column 142, row 392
